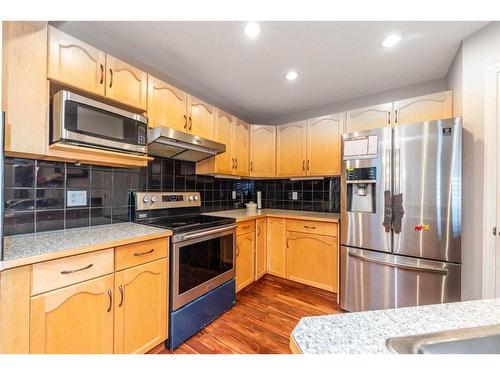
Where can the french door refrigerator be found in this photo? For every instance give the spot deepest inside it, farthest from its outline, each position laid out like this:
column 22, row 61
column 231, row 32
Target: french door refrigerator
column 401, row 202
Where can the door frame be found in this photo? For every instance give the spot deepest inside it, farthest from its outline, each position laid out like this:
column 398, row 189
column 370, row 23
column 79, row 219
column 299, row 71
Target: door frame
column 491, row 159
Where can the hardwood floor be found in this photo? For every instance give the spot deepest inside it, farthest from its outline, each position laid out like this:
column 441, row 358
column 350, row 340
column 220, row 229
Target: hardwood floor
column 262, row 319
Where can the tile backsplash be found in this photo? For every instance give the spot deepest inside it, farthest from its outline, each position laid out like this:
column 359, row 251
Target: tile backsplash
column 36, row 192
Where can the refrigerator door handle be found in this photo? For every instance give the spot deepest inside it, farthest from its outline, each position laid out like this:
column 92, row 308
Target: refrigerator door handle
column 387, row 223
column 398, row 265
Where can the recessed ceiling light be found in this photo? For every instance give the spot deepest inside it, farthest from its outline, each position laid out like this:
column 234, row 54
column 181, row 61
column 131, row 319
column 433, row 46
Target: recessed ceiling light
column 252, row 30
column 292, row 75
column 391, row 41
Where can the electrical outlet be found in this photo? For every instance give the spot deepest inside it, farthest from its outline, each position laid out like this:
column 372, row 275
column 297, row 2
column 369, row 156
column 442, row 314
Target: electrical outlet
column 295, row 195
column 233, row 194
column 76, row 198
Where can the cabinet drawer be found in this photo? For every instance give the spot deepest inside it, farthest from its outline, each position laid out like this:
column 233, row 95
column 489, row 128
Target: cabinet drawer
column 141, row 252
column 245, row 227
column 315, row 227
column 59, row 273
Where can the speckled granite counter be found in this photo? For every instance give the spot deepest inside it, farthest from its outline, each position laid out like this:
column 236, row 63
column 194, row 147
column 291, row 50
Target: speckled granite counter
column 32, row 248
column 366, row 332
column 244, row 214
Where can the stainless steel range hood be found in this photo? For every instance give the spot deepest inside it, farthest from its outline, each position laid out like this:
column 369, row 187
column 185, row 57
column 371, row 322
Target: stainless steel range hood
column 171, row 143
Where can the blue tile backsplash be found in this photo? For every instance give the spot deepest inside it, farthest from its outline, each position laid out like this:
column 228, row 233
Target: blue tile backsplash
column 35, row 192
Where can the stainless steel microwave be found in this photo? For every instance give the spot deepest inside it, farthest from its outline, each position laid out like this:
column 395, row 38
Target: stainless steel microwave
column 84, row 121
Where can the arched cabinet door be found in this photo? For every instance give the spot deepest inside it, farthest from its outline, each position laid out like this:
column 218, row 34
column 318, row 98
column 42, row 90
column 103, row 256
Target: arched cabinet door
column 224, row 133
column 201, row 118
column 366, row 118
column 77, row 319
column 423, row 108
column 291, row 150
column 242, row 147
column 323, row 145
column 263, row 150
column 167, row 105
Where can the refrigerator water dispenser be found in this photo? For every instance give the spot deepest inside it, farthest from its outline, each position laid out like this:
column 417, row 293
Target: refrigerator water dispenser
column 361, row 183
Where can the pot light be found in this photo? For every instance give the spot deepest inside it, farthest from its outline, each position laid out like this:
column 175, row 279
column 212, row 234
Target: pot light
column 252, row 30
column 391, row 41
column 292, row 75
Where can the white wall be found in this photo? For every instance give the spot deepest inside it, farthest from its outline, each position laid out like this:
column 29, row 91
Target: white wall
column 467, row 78
column 410, row 91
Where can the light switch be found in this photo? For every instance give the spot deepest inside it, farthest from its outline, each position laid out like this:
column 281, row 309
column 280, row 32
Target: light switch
column 76, row 198
column 233, row 194
column 295, row 195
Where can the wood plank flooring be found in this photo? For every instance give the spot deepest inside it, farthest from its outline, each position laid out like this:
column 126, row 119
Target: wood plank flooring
column 262, row 319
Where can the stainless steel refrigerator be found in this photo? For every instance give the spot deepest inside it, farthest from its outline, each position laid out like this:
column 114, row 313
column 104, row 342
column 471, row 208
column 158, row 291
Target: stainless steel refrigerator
column 401, row 216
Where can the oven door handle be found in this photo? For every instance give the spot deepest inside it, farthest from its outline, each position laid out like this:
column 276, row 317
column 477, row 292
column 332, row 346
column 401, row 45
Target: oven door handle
column 208, row 232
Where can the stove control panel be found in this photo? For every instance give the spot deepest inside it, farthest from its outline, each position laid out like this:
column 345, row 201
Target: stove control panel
column 162, row 200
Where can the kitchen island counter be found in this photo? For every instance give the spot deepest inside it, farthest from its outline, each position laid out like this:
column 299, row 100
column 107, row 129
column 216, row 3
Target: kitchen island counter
column 367, row 332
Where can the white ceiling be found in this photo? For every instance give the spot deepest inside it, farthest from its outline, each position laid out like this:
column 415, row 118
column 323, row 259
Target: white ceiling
column 335, row 60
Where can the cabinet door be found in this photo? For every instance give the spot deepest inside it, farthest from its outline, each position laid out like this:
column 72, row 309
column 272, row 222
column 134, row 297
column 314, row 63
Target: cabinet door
column 75, row 63
column 125, row 83
column 312, row 260
column 242, row 147
column 201, row 118
column 245, row 259
column 276, row 246
column 372, row 117
column 260, row 248
column 262, row 151
column 423, row 108
column 77, row 319
column 224, row 133
column 291, row 150
column 323, row 145
column 167, row 105
column 141, row 307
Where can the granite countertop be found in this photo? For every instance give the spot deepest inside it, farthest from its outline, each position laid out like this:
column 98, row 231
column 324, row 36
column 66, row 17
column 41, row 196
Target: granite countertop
column 366, row 332
column 244, row 214
column 30, row 248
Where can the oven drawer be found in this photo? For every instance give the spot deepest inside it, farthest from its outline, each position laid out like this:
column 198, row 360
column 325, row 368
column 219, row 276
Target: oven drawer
column 315, row 227
column 59, row 273
column 141, row 252
column 245, row 227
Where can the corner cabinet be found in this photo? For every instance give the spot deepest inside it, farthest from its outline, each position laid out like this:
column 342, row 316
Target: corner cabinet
column 260, row 247
column 276, row 246
column 245, row 260
column 83, row 311
column 262, row 150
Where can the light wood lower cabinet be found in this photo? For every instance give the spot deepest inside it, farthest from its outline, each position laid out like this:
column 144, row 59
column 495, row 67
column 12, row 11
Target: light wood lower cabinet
column 245, row 260
column 276, row 247
column 312, row 260
column 141, row 307
column 77, row 319
column 260, row 248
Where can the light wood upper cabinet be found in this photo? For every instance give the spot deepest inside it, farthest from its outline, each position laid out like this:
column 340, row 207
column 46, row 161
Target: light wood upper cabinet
column 276, row 246
column 167, row 105
column 260, row 248
column 141, row 307
column 323, row 145
column 125, row 83
column 262, row 150
column 291, row 149
column 423, row 108
column 245, row 259
column 242, row 147
column 201, row 118
column 312, row 260
column 372, row 117
column 224, row 124
column 74, row 63
column 77, row 319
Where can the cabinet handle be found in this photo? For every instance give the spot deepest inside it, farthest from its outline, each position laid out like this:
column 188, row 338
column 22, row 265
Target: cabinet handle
column 245, row 227
column 110, row 77
column 236, row 161
column 396, row 116
column 102, row 73
column 308, row 165
column 308, row 227
column 67, row 272
column 251, row 166
column 288, row 242
column 237, row 250
column 258, row 231
column 122, row 295
column 190, row 123
column 185, row 122
column 389, row 117
column 303, row 165
column 143, row 253
column 110, row 296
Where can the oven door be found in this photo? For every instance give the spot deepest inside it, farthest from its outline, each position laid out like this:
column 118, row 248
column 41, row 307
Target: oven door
column 201, row 263
column 81, row 120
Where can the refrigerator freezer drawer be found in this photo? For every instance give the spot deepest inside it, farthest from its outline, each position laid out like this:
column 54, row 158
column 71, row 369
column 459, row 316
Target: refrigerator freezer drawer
column 371, row 280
